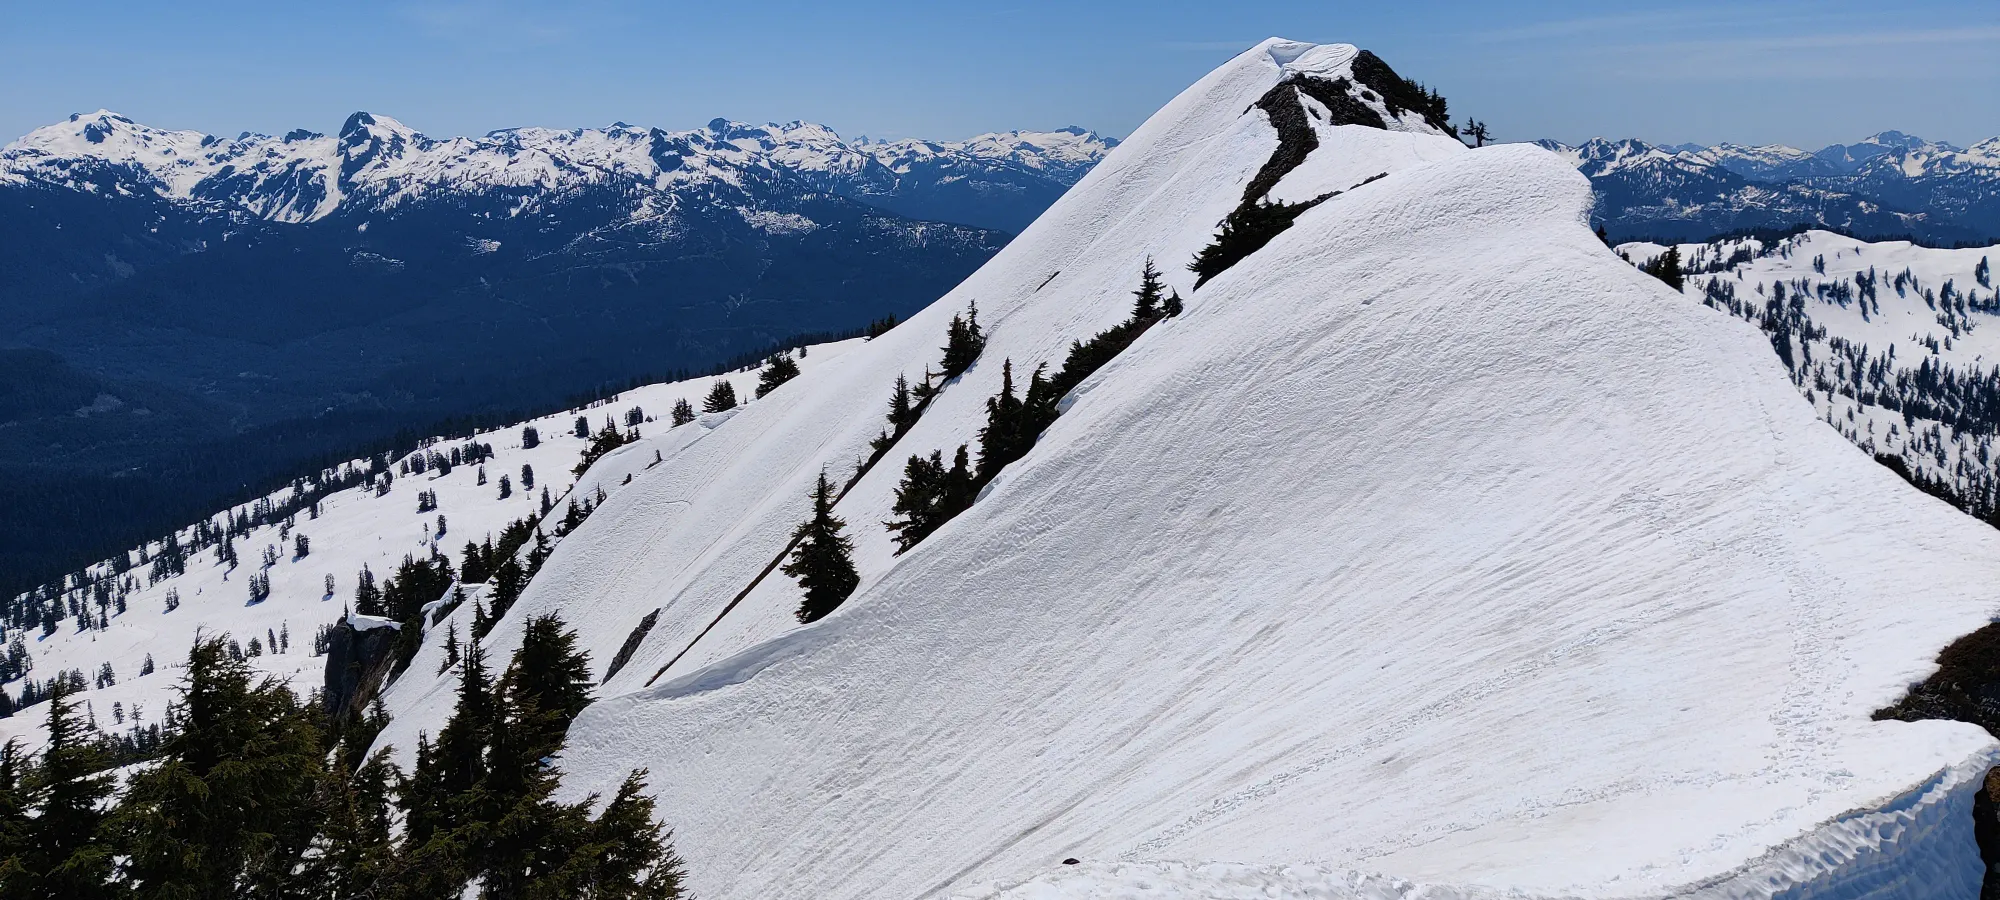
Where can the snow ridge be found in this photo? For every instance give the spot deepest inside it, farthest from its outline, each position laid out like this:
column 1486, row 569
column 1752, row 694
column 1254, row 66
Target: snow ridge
column 1431, row 541
column 1420, row 544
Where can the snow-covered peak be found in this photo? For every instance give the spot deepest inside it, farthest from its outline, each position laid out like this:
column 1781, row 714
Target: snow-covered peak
column 111, row 137
column 1420, row 545
column 1889, row 153
column 1771, row 154
column 1936, row 158
column 376, row 160
column 1070, row 149
column 1431, row 541
column 1070, row 145
column 1599, row 157
column 1896, row 140
column 363, row 127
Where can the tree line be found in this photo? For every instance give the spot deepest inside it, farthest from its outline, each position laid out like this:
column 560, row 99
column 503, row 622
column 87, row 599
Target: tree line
column 252, row 794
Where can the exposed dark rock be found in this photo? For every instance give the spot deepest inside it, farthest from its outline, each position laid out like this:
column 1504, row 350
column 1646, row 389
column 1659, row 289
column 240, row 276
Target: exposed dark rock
column 1338, row 98
column 1255, row 222
column 357, row 664
column 1399, row 93
column 631, row 645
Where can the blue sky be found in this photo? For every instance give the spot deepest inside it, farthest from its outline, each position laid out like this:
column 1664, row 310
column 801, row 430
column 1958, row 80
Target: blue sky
column 1805, row 73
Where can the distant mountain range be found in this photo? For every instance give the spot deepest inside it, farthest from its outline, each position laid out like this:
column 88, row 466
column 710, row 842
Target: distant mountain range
column 1888, row 185
column 309, row 292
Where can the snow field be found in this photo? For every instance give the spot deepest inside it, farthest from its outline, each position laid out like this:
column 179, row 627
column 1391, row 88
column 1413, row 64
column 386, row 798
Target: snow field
column 355, row 528
column 1432, row 541
column 1900, row 327
column 1433, row 552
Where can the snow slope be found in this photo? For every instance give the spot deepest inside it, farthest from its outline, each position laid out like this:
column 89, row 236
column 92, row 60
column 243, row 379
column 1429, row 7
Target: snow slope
column 1882, row 320
column 1433, row 541
column 355, row 528
column 1433, row 552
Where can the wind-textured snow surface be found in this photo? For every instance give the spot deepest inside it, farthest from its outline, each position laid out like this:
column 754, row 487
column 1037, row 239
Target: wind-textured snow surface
column 1432, row 542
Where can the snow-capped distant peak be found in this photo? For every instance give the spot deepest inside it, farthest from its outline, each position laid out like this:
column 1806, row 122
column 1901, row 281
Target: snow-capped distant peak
column 371, row 124
column 111, row 137
column 382, row 162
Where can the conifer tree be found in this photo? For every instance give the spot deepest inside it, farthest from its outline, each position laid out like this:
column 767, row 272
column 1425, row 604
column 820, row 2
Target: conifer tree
column 472, row 564
column 64, row 853
column 683, row 412
column 778, row 370
column 424, row 799
column 14, row 820
column 450, row 648
column 963, row 342
column 549, row 672
column 367, row 597
column 1667, row 268
column 1001, row 440
column 230, row 804
column 508, row 580
column 930, row 495
column 916, row 499
column 959, row 489
column 461, row 743
column 821, row 558
column 357, row 855
column 625, row 854
column 1146, row 300
column 505, row 829
column 902, row 409
column 721, row 397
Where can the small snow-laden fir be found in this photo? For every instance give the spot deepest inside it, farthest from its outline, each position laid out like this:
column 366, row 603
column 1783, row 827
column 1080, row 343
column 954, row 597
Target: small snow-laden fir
column 333, row 542
column 1431, row 541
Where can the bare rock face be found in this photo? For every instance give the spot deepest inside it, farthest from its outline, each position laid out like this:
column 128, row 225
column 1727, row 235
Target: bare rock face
column 358, row 661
